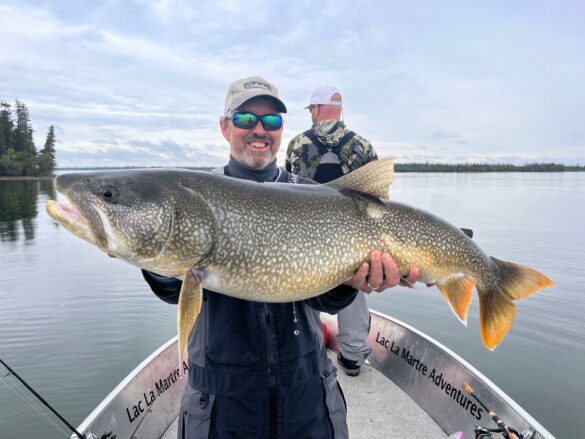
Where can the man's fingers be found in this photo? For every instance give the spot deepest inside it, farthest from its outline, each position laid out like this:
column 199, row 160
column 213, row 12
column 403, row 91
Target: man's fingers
column 376, row 275
column 391, row 273
column 413, row 275
column 381, row 273
column 360, row 276
column 406, row 283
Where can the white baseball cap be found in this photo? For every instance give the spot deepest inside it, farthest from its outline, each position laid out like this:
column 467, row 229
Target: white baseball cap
column 322, row 96
column 245, row 89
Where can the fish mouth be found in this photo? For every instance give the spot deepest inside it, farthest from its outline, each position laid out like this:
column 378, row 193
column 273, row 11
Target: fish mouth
column 70, row 217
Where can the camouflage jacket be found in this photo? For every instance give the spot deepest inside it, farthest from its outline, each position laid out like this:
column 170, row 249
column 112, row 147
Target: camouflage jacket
column 303, row 157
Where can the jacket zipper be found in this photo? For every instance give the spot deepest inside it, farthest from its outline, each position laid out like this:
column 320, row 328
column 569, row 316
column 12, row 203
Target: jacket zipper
column 271, row 372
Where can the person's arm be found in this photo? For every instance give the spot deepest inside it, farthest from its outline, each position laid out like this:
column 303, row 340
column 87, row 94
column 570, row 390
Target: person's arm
column 165, row 288
column 292, row 145
column 333, row 300
column 377, row 275
column 287, row 164
column 370, row 151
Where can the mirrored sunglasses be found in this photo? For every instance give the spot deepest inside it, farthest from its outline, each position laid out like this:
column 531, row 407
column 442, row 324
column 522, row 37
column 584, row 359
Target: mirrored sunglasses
column 247, row 121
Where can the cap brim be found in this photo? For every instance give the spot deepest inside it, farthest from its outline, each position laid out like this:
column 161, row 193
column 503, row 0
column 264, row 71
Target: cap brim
column 280, row 107
column 332, row 103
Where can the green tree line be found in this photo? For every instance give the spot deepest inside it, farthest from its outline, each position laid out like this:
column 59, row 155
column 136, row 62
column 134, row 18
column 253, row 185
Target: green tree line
column 484, row 167
column 18, row 154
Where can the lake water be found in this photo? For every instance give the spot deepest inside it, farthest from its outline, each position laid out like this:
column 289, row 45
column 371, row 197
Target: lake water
column 74, row 322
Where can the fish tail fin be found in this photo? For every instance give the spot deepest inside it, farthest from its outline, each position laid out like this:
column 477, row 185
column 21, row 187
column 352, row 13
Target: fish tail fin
column 188, row 310
column 519, row 281
column 496, row 309
column 496, row 315
column 458, row 291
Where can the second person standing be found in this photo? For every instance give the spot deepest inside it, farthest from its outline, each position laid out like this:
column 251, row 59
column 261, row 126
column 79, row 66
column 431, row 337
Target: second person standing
column 323, row 153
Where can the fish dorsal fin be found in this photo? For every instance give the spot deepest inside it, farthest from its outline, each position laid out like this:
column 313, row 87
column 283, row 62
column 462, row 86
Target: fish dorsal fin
column 373, row 179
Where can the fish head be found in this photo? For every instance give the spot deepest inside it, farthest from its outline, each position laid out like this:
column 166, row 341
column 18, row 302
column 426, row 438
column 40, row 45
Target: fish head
column 127, row 214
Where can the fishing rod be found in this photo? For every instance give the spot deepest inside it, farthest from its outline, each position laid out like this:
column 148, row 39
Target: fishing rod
column 40, row 398
column 481, row 432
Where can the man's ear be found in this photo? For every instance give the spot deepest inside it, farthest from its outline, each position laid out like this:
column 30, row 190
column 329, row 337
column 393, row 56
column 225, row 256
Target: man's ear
column 314, row 114
column 224, row 125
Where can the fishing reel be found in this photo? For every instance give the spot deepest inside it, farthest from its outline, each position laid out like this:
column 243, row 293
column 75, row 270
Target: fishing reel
column 508, row 433
column 503, row 429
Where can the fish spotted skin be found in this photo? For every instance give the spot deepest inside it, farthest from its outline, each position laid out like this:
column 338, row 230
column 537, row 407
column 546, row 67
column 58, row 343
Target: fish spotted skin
column 284, row 242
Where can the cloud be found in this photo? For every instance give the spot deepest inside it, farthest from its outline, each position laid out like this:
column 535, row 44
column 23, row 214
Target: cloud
column 149, row 75
column 144, row 154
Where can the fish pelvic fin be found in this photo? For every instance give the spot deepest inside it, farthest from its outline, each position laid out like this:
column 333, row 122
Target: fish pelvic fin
column 496, row 309
column 188, row 310
column 458, row 291
column 373, row 179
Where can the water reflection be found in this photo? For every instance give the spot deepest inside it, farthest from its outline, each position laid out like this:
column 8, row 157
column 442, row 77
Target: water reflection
column 18, row 206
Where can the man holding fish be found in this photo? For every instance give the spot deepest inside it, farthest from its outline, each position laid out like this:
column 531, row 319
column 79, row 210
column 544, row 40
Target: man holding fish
column 261, row 369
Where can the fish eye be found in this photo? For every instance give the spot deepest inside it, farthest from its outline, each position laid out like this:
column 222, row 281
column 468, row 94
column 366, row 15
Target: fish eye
column 109, row 194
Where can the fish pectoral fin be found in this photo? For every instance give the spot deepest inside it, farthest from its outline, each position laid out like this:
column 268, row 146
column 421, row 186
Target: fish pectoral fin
column 458, row 291
column 373, row 179
column 189, row 307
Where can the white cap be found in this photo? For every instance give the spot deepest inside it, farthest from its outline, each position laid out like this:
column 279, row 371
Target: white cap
column 245, row 89
column 322, row 96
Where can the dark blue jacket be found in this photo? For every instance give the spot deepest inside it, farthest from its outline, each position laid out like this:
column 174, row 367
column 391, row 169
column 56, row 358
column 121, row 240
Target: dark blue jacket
column 260, row 370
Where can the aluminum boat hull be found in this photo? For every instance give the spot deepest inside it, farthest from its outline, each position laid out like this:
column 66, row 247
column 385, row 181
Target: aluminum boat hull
column 147, row 402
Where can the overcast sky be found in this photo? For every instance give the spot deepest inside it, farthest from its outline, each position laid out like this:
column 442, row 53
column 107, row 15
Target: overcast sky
column 143, row 82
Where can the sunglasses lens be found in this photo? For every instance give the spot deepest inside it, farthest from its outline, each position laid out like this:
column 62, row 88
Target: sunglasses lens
column 272, row 122
column 245, row 120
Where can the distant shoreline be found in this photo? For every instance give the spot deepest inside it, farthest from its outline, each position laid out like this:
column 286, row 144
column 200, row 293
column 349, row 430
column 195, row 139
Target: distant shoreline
column 485, row 167
column 45, row 177
column 405, row 167
column 460, row 168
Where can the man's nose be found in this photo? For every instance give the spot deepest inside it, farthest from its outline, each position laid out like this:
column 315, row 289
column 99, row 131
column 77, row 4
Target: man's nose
column 259, row 129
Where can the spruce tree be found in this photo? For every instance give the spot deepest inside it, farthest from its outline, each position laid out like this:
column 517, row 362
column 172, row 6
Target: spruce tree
column 49, row 147
column 23, row 130
column 6, row 128
column 46, row 159
column 23, row 140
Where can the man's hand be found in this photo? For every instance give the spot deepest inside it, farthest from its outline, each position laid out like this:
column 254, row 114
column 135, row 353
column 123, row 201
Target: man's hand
column 381, row 273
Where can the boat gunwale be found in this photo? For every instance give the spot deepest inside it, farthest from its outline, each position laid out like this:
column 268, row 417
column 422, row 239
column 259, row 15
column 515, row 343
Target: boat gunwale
column 480, row 376
column 100, row 408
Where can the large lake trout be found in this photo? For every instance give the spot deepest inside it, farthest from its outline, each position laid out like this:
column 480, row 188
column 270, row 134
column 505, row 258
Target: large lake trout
column 282, row 242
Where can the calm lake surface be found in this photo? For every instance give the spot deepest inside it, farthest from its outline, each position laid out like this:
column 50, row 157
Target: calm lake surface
column 74, row 322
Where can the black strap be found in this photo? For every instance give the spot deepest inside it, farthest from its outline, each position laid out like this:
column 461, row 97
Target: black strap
column 313, row 138
column 348, row 136
column 322, row 148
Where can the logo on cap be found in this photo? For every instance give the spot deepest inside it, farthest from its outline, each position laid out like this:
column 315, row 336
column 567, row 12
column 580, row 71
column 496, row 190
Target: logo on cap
column 257, row 84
